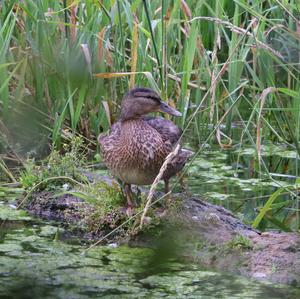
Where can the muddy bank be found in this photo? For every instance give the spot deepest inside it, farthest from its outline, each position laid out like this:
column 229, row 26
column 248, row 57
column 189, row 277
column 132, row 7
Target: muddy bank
column 230, row 245
column 206, row 233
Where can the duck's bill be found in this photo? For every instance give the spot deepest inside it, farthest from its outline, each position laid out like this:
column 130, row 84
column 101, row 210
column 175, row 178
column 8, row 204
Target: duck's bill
column 168, row 109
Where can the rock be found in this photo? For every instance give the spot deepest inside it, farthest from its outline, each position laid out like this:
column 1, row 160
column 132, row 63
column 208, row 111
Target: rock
column 206, row 233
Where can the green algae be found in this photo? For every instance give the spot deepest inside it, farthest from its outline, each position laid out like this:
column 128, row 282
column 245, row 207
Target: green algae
column 49, row 231
column 31, row 259
column 232, row 178
column 32, row 256
column 12, row 214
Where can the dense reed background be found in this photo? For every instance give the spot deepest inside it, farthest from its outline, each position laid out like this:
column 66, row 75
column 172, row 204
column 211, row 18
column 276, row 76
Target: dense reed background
column 64, row 66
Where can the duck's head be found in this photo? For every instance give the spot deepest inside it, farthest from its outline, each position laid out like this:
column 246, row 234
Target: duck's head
column 140, row 101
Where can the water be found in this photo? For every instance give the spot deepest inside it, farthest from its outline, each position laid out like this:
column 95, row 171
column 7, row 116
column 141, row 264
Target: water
column 36, row 261
column 231, row 178
column 39, row 260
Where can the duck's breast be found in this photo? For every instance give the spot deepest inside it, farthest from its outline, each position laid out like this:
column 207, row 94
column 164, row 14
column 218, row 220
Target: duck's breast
column 134, row 152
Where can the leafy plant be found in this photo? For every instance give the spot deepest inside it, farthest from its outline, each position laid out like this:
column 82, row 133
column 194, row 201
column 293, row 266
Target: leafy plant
column 58, row 165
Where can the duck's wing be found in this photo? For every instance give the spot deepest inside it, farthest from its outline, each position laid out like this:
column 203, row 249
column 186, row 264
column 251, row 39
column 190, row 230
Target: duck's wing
column 114, row 133
column 177, row 163
column 166, row 128
column 170, row 132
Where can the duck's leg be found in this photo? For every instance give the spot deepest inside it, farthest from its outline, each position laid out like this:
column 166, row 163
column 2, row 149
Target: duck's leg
column 167, row 186
column 129, row 197
column 182, row 182
column 167, row 190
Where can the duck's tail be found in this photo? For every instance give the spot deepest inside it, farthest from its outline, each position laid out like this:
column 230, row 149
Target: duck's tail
column 187, row 153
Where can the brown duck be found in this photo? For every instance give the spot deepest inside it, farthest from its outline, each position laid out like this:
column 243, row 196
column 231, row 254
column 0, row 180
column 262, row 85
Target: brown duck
column 137, row 145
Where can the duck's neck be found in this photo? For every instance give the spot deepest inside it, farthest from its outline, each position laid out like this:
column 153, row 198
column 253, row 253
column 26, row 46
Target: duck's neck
column 132, row 126
column 128, row 118
column 133, row 123
column 128, row 113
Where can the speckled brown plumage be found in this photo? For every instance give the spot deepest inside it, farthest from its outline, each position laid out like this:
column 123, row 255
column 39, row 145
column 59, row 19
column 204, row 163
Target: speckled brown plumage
column 134, row 151
column 137, row 145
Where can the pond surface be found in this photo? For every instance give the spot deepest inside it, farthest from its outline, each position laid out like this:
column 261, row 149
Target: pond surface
column 39, row 260
column 36, row 261
column 233, row 178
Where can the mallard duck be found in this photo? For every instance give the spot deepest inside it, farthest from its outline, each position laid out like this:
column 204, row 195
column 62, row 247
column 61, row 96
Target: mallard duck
column 137, row 145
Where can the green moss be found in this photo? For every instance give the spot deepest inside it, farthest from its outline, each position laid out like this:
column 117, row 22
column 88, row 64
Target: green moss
column 239, row 242
column 108, row 210
column 65, row 164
